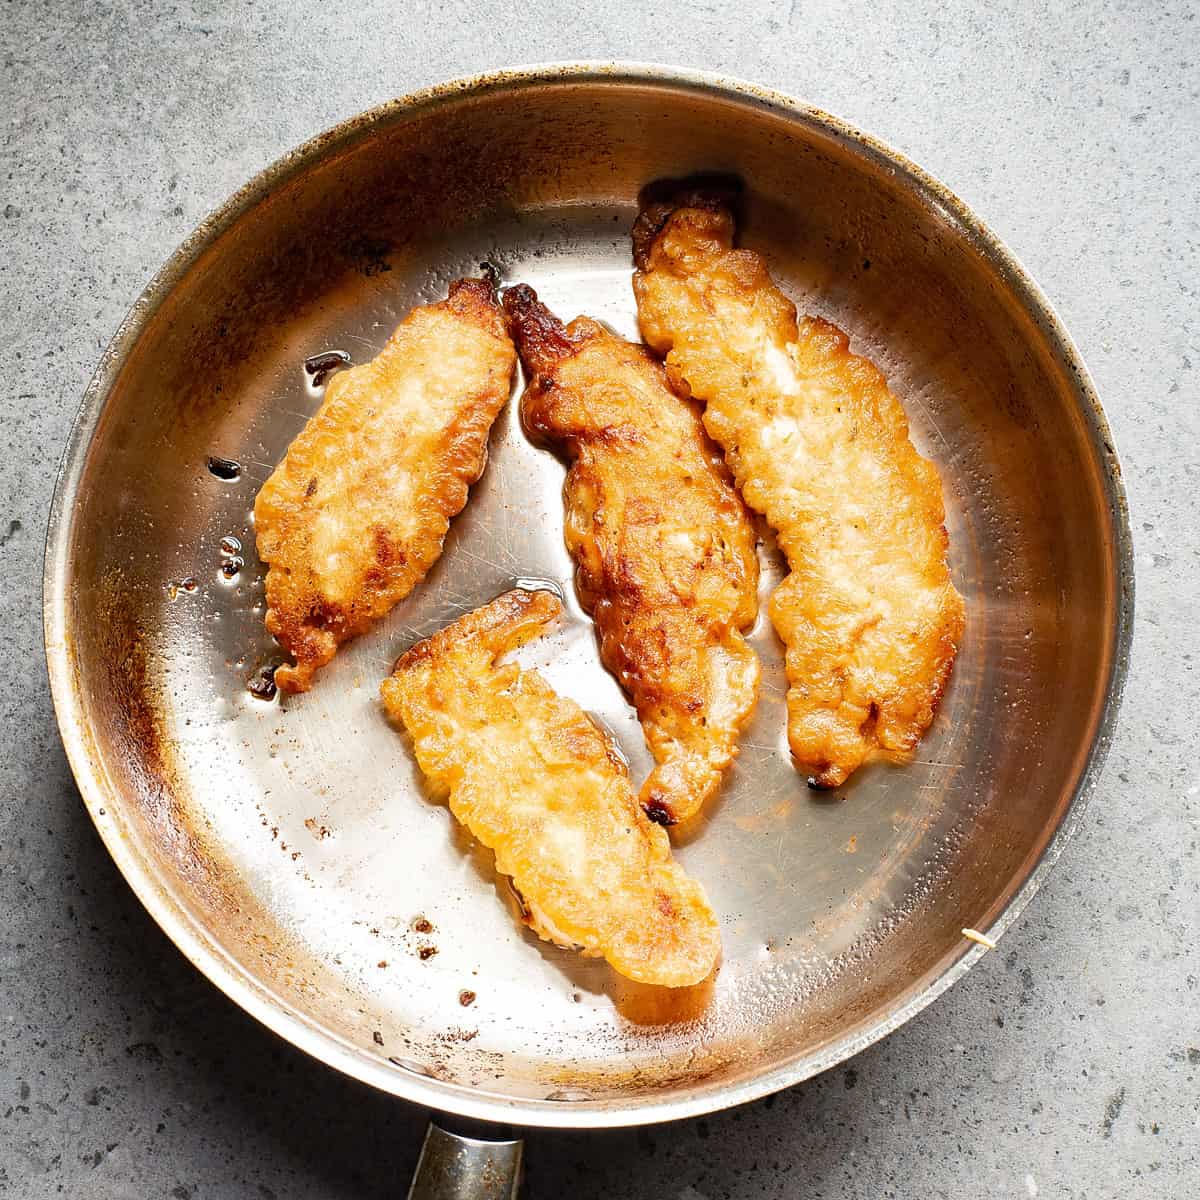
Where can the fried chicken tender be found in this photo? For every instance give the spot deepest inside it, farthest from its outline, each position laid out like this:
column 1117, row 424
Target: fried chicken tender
column 533, row 778
column 663, row 546
column 818, row 444
column 355, row 515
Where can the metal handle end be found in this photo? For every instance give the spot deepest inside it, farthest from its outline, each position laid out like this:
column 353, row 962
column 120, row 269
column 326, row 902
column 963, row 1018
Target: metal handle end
column 472, row 1164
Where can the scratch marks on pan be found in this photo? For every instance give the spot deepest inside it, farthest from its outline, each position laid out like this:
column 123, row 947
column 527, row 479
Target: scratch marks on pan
column 485, row 560
column 917, row 402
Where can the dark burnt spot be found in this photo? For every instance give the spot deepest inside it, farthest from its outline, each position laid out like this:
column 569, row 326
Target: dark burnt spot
column 664, row 904
column 422, row 925
column 817, row 784
column 261, row 685
column 377, row 1038
column 659, row 813
column 425, row 953
column 466, row 997
column 311, row 490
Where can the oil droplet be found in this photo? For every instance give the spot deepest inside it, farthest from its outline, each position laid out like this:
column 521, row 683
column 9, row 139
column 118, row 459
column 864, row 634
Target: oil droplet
column 318, row 367
column 231, row 566
column 231, row 545
column 188, row 585
column 536, row 583
column 224, row 468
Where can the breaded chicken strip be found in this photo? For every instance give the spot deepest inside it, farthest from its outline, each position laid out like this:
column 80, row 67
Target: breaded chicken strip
column 355, row 514
column 819, row 445
column 533, row 778
column 663, row 545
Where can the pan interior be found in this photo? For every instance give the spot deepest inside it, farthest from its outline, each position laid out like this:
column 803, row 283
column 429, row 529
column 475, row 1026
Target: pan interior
column 293, row 838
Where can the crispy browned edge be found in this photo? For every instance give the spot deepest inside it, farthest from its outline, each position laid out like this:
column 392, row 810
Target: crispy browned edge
column 541, row 338
column 658, row 200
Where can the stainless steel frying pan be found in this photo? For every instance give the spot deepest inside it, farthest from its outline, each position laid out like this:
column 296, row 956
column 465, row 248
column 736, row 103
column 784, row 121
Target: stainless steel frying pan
column 287, row 847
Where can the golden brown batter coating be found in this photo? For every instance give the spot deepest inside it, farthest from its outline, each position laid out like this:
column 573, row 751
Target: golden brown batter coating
column 533, row 778
column 663, row 546
column 817, row 443
column 355, row 515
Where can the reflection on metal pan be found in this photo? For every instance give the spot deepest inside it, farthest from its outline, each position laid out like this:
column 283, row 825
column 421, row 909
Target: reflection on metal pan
column 286, row 844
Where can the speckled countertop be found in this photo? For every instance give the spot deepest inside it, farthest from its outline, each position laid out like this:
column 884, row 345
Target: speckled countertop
column 1068, row 1063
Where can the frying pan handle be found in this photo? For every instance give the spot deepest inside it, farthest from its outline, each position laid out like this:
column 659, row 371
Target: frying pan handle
column 483, row 1162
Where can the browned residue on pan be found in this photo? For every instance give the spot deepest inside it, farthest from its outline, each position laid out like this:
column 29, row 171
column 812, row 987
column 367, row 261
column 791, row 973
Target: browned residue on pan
column 121, row 647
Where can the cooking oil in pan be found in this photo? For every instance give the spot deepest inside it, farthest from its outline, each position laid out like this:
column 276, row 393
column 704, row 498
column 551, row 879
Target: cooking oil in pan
column 800, row 912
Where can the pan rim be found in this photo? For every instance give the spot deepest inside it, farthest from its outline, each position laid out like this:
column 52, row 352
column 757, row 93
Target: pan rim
column 249, row 993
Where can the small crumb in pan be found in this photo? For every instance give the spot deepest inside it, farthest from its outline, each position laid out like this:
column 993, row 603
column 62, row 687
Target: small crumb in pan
column 974, row 935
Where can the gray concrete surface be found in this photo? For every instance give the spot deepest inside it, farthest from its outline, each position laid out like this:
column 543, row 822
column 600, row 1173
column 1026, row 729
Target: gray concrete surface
column 1068, row 1063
